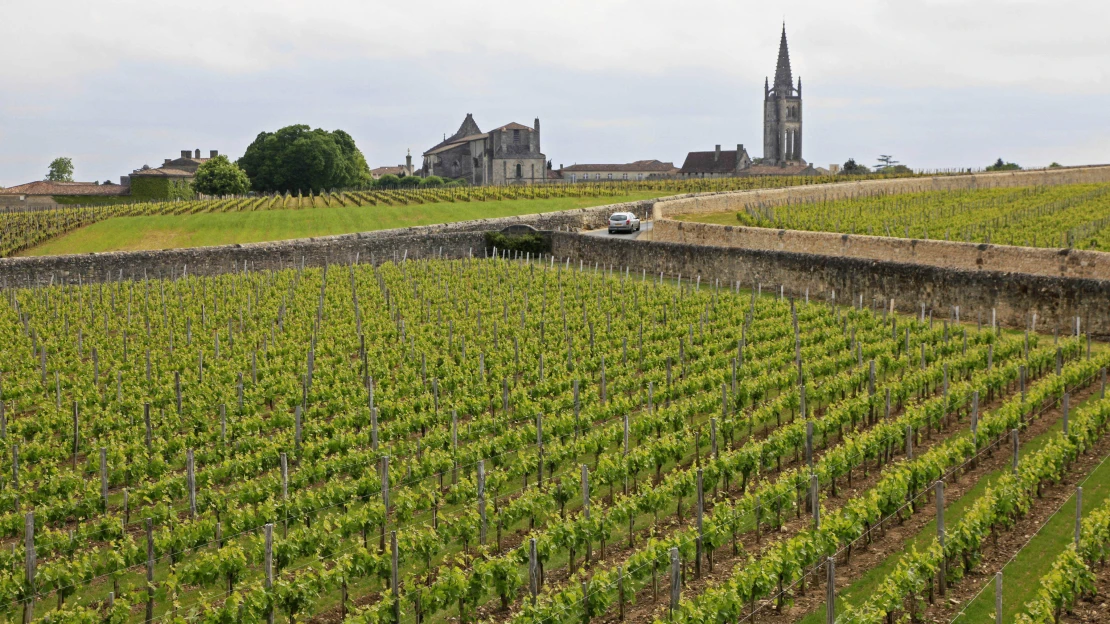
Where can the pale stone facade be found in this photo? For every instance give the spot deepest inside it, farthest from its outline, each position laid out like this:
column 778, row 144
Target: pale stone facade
column 629, row 172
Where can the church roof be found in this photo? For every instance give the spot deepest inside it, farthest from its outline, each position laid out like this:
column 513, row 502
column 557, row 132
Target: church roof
column 467, row 131
column 783, row 77
column 513, row 126
column 452, row 143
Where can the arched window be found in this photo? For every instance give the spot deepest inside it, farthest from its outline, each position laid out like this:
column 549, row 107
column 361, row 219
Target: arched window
column 519, row 171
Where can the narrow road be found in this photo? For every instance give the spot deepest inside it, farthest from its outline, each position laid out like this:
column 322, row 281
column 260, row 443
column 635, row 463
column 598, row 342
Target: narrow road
column 645, row 232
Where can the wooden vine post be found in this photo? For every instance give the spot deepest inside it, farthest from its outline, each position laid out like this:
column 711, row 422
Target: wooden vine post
column 482, row 502
column 149, row 570
column 586, row 504
column 676, row 581
column 395, row 579
column 269, row 569
column 942, row 571
column 104, row 476
column 384, row 471
column 830, row 591
column 29, row 560
column 700, row 544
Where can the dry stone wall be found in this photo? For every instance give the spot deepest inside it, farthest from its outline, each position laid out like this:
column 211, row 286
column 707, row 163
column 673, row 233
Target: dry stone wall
column 372, row 247
column 734, row 201
column 1014, row 296
column 452, row 240
column 944, row 254
column 906, row 271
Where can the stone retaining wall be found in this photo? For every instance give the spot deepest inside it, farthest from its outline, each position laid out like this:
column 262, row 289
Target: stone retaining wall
column 456, row 240
column 735, row 201
column 1016, row 282
column 945, row 254
column 1015, row 296
column 370, row 247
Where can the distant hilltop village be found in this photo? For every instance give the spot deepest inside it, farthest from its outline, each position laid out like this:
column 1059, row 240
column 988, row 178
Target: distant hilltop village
column 171, row 181
column 511, row 154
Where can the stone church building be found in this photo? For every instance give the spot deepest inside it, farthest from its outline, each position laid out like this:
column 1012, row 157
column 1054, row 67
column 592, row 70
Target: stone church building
column 509, row 154
column 782, row 134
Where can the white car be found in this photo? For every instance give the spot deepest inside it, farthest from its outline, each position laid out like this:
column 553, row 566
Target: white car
column 624, row 222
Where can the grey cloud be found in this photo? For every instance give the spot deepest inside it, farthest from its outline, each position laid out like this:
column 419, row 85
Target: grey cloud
column 932, row 83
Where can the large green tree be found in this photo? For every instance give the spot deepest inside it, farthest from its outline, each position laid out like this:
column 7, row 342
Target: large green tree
column 851, row 167
column 220, row 176
column 297, row 158
column 61, row 170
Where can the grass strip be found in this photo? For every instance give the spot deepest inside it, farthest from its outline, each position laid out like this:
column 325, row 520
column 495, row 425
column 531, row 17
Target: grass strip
column 225, row 228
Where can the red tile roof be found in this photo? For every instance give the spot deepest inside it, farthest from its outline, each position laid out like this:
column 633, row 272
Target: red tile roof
column 380, row 171
column 653, row 166
column 163, row 172
column 709, row 162
column 46, row 187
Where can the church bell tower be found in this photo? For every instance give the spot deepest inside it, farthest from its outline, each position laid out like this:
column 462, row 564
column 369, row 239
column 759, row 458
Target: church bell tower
column 782, row 113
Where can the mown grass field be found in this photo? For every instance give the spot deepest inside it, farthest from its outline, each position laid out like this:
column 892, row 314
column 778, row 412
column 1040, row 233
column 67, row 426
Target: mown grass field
column 197, row 230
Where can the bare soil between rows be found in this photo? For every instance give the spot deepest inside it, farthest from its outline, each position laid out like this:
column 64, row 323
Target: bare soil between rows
column 1004, row 545
column 891, row 538
column 1094, row 608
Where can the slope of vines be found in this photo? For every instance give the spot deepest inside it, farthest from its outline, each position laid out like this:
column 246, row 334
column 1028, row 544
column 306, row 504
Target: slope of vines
column 1075, row 216
column 165, row 426
column 20, row 230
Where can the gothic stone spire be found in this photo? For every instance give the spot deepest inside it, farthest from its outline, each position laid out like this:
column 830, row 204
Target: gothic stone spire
column 783, row 77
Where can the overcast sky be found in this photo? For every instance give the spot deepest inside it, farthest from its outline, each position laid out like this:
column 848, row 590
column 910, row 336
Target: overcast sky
column 116, row 84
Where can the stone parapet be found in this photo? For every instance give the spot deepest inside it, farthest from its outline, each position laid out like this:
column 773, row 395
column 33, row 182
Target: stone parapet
column 738, row 200
column 1014, row 297
column 943, row 254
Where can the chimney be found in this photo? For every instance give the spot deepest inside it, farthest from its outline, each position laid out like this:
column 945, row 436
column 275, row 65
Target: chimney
column 739, row 149
column 717, row 154
column 185, row 154
column 125, row 180
column 213, row 153
column 198, row 153
column 166, row 162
